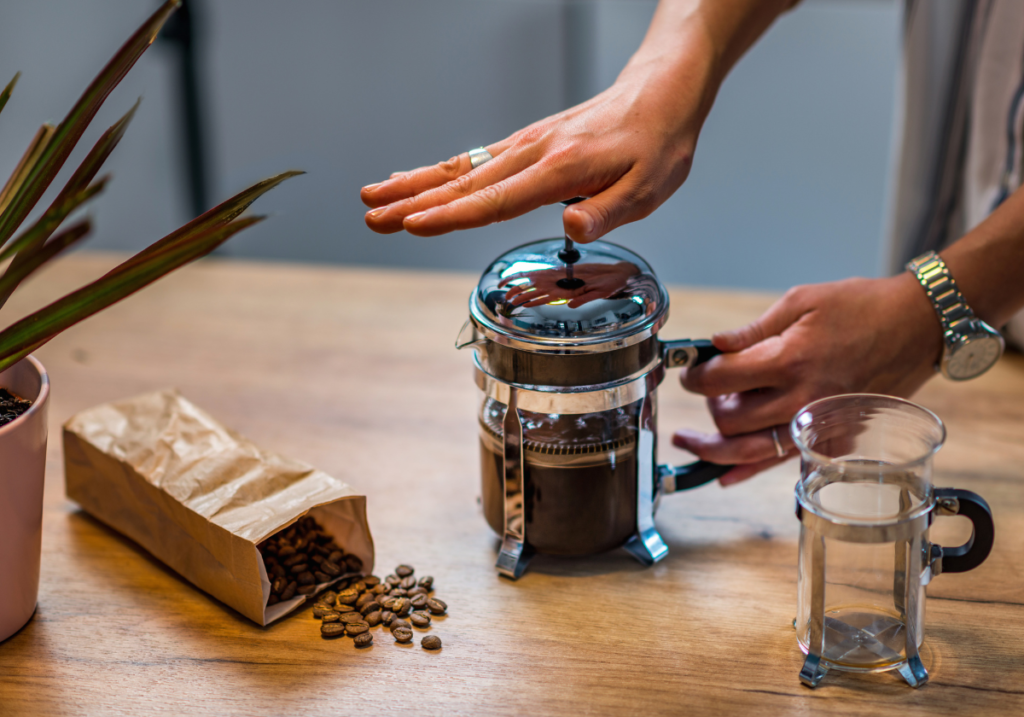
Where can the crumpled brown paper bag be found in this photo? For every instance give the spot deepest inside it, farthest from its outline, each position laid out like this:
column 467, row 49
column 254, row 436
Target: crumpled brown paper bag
column 200, row 497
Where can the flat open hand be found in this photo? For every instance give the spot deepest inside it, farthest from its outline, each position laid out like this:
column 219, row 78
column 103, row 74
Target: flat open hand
column 852, row 336
column 627, row 149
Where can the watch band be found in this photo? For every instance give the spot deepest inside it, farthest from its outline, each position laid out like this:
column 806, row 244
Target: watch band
column 954, row 314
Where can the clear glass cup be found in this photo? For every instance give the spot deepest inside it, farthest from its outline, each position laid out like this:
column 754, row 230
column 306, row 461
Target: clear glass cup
column 865, row 500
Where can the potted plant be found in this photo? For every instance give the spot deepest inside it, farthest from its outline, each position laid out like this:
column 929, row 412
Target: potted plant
column 22, row 378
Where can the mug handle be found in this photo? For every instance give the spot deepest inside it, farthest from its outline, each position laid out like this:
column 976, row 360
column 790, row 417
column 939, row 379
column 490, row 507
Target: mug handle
column 954, row 501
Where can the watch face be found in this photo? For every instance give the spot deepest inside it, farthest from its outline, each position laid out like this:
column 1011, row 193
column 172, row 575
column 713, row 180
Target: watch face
column 973, row 357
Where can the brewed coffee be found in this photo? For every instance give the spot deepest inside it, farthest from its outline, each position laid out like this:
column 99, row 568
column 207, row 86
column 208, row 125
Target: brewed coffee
column 580, row 477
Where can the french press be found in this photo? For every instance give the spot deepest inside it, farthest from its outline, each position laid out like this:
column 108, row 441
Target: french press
column 568, row 360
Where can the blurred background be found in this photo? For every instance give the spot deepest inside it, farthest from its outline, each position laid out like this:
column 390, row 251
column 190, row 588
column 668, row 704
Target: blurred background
column 788, row 185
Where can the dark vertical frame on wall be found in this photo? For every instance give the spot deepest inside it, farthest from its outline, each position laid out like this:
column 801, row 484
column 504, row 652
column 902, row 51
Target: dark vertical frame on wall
column 182, row 32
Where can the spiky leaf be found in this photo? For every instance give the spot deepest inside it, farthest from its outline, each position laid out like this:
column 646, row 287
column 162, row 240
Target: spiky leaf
column 71, row 128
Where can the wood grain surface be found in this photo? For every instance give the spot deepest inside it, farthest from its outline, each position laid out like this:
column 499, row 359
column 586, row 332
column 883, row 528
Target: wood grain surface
column 355, row 372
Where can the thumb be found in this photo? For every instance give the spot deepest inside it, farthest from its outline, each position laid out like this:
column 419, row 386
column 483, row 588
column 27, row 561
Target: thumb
column 590, row 220
column 780, row 316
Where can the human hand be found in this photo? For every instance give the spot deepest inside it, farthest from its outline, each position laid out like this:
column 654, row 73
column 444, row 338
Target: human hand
column 851, row 336
column 601, row 281
column 627, row 149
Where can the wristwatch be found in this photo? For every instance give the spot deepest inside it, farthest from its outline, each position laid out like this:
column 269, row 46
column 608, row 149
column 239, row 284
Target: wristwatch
column 970, row 346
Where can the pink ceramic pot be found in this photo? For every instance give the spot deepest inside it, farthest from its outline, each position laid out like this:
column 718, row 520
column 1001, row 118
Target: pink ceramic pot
column 22, row 464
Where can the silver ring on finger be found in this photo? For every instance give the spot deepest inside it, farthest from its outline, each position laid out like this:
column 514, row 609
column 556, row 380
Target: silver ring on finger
column 479, row 156
column 779, row 452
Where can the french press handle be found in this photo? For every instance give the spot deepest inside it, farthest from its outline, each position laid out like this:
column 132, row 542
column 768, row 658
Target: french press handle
column 685, row 353
column 954, row 501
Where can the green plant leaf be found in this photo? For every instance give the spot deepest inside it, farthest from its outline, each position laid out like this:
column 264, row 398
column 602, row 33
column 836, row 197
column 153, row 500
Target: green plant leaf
column 6, row 94
column 17, row 271
column 221, row 214
column 70, row 130
column 25, row 336
column 93, row 161
column 25, row 164
column 47, row 224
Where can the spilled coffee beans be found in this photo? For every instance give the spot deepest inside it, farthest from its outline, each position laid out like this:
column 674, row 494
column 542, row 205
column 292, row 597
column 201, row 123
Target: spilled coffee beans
column 357, row 605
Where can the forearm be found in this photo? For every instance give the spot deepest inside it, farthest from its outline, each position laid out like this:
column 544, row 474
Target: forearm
column 988, row 263
column 689, row 48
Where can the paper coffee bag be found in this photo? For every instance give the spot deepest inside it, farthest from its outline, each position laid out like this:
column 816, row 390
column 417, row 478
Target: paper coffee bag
column 200, row 497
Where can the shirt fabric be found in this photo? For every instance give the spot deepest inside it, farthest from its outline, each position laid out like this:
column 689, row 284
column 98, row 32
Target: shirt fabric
column 959, row 125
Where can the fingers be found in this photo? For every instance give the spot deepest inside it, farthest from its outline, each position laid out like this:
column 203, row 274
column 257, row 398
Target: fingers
column 625, row 201
column 763, row 365
column 773, row 322
column 482, row 198
column 402, row 185
column 751, row 453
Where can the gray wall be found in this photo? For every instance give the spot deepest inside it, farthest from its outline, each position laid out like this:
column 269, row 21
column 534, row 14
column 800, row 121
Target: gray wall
column 788, row 184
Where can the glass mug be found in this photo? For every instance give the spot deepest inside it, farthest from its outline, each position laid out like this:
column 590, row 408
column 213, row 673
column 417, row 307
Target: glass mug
column 865, row 501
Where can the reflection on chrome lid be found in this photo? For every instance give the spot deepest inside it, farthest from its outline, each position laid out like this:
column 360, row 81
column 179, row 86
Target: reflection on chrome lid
column 523, row 295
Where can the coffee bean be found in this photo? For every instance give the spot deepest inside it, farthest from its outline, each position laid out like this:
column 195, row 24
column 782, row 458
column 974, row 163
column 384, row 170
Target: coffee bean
column 427, row 581
column 419, row 601
column 330, row 568
column 393, row 580
column 398, row 622
column 332, row 617
column 373, row 618
column 380, row 589
column 402, row 634
column 306, row 589
column 398, row 592
column 321, row 610
column 336, row 556
column 402, row 607
column 350, row 618
column 299, row 568
column 329, row 597
column 404, row 571
column 289, row 592
column 370, row 607
column 420, row 619
column 371, row 581
column 278, row 585
column 348, row 596
column 407, row 583
column 345, row 609
column 365, row 598
column 386, row 616
column 273, row 600
column 306, row 578
column 278, row 571
column 321, row 578
column 286, row 551
column 438, row 607
column 363, row 639
column 295, row 559
column 389, row 603
column 332, row 629
column 417, row 591
column 356, row 628
column 358, row 585
column 316, row 558
column 355, row 564
column 431, row 642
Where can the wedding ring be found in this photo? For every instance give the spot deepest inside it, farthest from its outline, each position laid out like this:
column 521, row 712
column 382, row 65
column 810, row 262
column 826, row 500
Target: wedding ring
column 778, row 445
column 479, row 156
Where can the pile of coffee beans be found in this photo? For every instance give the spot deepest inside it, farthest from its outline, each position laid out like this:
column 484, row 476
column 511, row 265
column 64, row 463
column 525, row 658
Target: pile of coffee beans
column 361, row 603
column 11, row 406
column 302, row 556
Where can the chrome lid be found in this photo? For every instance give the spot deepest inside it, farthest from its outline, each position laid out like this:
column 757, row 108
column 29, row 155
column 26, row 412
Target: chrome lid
column 531, row 299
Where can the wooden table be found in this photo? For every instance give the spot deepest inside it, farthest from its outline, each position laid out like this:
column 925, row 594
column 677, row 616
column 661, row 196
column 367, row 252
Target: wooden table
column 355, row 372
